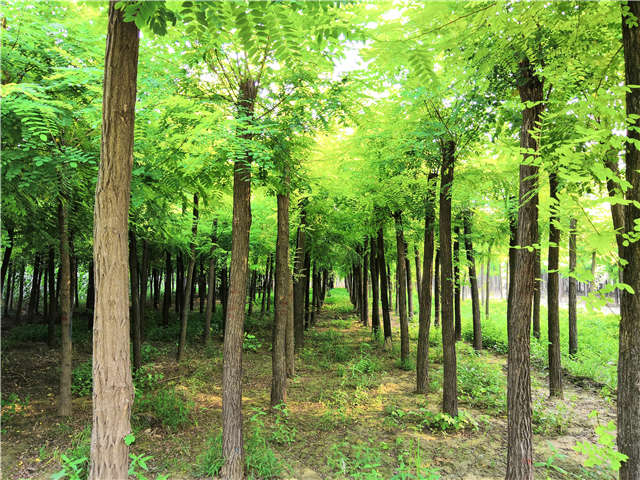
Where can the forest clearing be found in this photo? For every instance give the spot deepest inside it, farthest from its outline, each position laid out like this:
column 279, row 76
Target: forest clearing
column 307, row 240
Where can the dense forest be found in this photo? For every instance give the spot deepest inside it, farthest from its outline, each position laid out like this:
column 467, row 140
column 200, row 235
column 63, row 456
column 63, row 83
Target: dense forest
column 281, row 239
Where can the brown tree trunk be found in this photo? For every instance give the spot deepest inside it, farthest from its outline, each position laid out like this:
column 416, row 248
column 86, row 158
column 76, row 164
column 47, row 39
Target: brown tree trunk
column 473, row 280
column 424, row 311
column 211, row 293
column 21, row 294
column 402, row 289
column 375, row 294
column 202, row 287
column 436, row 289
column 384, row 289
column 487, row 281
column 232, row 446
column 166, row 298
column 91, row 294
column 144, row 277
column 513, row 233
column 135, row 300
column 409, row 285
column 281, row 310
column 184, row 313
column 629, row 343
column 6, row 257
column 553, row 306
column 53, row 310
column 307, row 278
column 112, row 386
column 290, row 335
column 179, row 282
column 34, row 297
column 364, row 297
column 573, row 314
column 64, row 400
column 416, row 255
column 536, row 295
column 519, row 442
column 449, row 387
column 224, row 291
column 457, row 283
column 299, row 286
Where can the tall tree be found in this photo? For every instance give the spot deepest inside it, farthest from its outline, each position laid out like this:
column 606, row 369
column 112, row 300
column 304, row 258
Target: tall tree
column 402, row 289
column 553, row 290
column 573, row 314
column 473, row 280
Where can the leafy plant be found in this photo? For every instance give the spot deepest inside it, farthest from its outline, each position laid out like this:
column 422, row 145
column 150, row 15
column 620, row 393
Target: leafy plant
column 82, row 379
column 282, row 432
column 251, row 343
column 164, row 407
column 603, row 453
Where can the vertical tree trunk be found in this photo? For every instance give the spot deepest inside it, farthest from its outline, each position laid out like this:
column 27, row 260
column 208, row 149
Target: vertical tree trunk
column 21, row 294
column 629, row 344
column 224, row 291
column 34, row 296
column 307, row 278
column 519, row 442
column 6, row 257
column 364, row 302
column 375, row 294
column 91, row 294
column 202, row 286
column 424, row 311
column 290, row 334
column 166, row 298
column 157, row 275
column 416, row 255
column 553, row 306
column 53, row 310
column 384, row 289
column 436, row 289
column 135, row 300
column 457, row 283
column 252, row 289
column 184, row 313
column 211, row 293
column 179, row 282
column 298, row 287
column 264, row 285
column 449, row 384
column 573, row 314
column 232, row 445
column 7, row 294
column 407, row 272
column 144, row 277
column 64, row 400
column 473, row 280
column 402, row 289
column 270, row 284
column 281, row 307
column 487, row 289
column 513, row 233
column 537, row 283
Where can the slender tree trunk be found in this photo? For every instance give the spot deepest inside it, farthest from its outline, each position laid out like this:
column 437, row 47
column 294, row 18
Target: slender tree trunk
column 457, row 283
column 384, row 289
column 402, row 290
column 513, row 233
column 211, row 293
column 307, row 278
column 34, row 296
column 135, row 300
column 416, row 255
column 553, row 306
column 290, row 333
column 184, row 313
column 202, row 287
column 299, row 287
column 6, row 257
column 424, row 311
column 91, row 295
column 519, row 442
column 21, row 293
column 487, row 289
column 232, row 445
column 264, row 285
column 179, row 282
column 364, row 302
column 281, row 308
column 64, row 400
column 375, row 294
column 407, row 272
column 629, row 344
column 156, row 274
column 166, row 300
column 224, row 291
column 7, row 291
column 53, row 313
column 449, row 386
column 536, row 295
column 436, row 289
column 473, row 280
column 144, row 277
column 573, row 314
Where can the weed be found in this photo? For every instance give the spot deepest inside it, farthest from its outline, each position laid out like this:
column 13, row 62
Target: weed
column 282, row 432
column 603, row 453
column 164, row 407
column 482, row 384
column 548, row 421
column 251, row 343
column 11, row 407
column 82, row 379
column 357, row 461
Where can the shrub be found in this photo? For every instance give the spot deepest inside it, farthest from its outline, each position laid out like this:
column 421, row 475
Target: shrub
column 164, row 407
column 250, row 343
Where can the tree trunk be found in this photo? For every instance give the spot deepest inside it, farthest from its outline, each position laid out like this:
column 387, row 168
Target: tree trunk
column 402, row 289
column 7, row 291
column 436, row 289
column 6, row 257
column 270, row 284
column 202, row 287
column 264, row 285
column 21, row 294
column 166, row 298
column 307, row 278
column 519, row 442
column 553, row 306
column 184, row 313
column 513, row 233
column 416, row 255
column 53, row 310
column 424, row 311
column 487, row 281
column 364, row 302
column 449, row 384
column 573, row 314
column 375, row 294
column 232, row 446
column 537, row 283
column 144, row 277
column 91, row 295
column 135, row 300
column 408, row 283
column 211, row 293
column 35, row 294
column 224, row 291
column 179, row 282
column 156, row 274
column 629, row 343
column 473, row 280
column 299, row 287
column 384, row 289
column 281, row 310
column 64, row 400
column 457, row 283
column 290, row 334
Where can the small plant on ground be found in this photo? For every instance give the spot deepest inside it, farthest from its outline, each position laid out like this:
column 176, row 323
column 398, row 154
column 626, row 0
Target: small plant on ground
column 12, row 406
column 603, row 453
column 548, row 420
column 82, row 379
column 282, row 432
column 251, row 343
column 164, row 407
column 357, row 461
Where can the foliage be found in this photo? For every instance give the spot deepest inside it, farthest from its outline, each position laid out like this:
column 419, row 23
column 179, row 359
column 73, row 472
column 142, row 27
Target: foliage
column 82, row 379
column 164, row 407
column 602, row 453
column 283, row 432
column 250, row 343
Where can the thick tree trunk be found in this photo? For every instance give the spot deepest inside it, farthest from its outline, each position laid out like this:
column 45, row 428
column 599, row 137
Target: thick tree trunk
column 573, row 314
column 402, row 289
column 436, row 289
column 64, row 400
column 211, row 293
column 281, row 310
column 536, row 295
column 232, row 445
column 384, row 289
column 375, row 294
column 457, row 283
column 184, row 313
column 299, row 285
column 424, row 311
column 519, row 442
column 473, row 280
column 166, row 300
column 449, row 386
column 553, row 305
column 629, row 343
column 53, row 310
column 135, row 300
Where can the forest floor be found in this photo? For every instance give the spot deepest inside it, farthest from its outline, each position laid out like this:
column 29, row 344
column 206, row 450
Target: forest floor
column 351, row 410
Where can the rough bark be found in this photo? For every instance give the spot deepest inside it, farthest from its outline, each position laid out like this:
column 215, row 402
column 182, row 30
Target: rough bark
column 473, row 280
column 112, row 386
column 449, row 387
column 553, row 305
column 384, row 289
column 290, row 335
column 64, row 399
column 629, row 344
column 135, row 300
column 402, row 289
column 232, row 445
column 184, row 313
column 535, row 320
column 573, row 314
column 519, row 441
